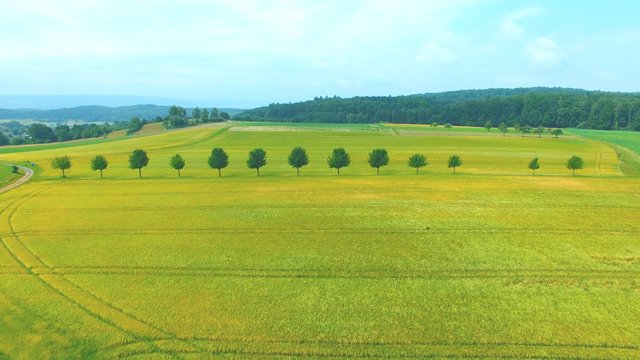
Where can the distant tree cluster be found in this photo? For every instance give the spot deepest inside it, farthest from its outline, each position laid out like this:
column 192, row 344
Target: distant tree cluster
column 530, row 108
column 178, row 117
column 298, row 158
column 15, row 133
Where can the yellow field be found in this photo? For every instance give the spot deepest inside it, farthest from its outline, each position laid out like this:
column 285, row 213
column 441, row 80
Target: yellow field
column 488, row 263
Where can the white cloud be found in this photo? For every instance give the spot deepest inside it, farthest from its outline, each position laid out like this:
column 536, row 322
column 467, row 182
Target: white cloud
column 434, row 52
column 511, row 27
column 544, row 52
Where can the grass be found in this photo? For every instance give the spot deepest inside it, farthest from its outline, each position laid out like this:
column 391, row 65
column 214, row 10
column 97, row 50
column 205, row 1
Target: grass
column 625, row 143
column 491, row 262
column 7, row 176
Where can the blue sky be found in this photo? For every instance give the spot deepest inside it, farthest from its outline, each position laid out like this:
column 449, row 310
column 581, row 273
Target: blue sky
column 253, row 52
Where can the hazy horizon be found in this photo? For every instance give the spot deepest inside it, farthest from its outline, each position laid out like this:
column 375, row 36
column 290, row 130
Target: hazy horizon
column 249, row 54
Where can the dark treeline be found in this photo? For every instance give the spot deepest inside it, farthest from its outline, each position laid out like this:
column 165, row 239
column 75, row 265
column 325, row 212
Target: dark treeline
column 548, row 107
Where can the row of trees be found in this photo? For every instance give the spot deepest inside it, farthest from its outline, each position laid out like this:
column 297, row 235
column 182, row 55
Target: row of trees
column 298, row 158
column 534, row 107
column 504, row 129
column 178, row 118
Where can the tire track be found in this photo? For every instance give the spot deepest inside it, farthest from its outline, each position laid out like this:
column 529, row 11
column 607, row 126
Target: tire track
column 84, row 300
column 347, row 273
column 492, row 351
column 382, row 231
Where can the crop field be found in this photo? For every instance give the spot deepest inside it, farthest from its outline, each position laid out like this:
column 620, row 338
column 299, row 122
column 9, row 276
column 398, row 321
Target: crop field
column 491, row 262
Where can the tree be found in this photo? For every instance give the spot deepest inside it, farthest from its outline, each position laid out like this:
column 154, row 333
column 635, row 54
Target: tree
column 539, row 130
column 135, row 124
column 338, row 159
column 434, row 124
column 517, row 127
column 575, row 163
column 177, row 111
column 196, row 113
column 534, row 165
column 214, row 114
column 4, row 139
column 137, row 160
column 454, row 162
column 224, row 115
column 14, row 169
column 448, row 125
column 62, row 133
column 40, row 133
column 218, row 160
column 417, row 161
column 378, row 158
column 298, row 158
column 63, row 163
column 99, row 163
column 503, row 128
column 525, row 130
column 177, row 163
column 556, row 132
column 257, row 159
column 488, row 125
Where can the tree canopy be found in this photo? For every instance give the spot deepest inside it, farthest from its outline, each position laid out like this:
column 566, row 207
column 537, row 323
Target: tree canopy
column 138, row 159
column 548, row 107
column 338, row 159
column 454, row 162
column 417, row 161
column 100, row 163
column 62, row 162
column 257, row 159
column 378, row 158
column 575, row 163
column 534, row 165
column 177, row 162
column 298, row 158
column 218, row 160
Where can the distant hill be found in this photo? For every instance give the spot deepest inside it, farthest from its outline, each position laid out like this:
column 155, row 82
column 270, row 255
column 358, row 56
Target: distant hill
column 48, row 102
column 94, row 113
column 539, row 106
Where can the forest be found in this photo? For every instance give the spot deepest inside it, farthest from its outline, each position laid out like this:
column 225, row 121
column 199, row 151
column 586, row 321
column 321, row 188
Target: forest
column 548, row 107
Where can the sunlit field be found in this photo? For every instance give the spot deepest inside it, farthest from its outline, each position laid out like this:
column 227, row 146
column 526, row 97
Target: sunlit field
column 491, row 262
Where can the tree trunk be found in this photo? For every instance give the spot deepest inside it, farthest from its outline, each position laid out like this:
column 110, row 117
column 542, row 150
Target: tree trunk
column 534, row 172
column 573, row 171
column 258, row 169
column 298, row 170
column 178, row 172
column 378, row 169
column 338, row 171
column 219, row 173
column 140, row 172
column 416, row 170
column 454, row 169
column 63, row 175
column 100, row 174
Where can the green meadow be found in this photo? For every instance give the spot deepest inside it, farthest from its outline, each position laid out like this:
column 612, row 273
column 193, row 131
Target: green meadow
column 491, row 262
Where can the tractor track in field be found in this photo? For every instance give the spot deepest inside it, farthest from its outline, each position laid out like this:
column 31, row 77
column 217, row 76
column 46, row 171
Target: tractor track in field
column 418, row 231
column 382, row 274
column 399, row 350
column 410, row 207
column 88, row 302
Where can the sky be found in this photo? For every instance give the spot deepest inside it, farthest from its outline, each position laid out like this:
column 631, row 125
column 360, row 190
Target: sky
column 247, row 53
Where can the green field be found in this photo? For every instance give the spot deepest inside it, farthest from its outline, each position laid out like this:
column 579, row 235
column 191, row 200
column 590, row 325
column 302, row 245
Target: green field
column 488, row 263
